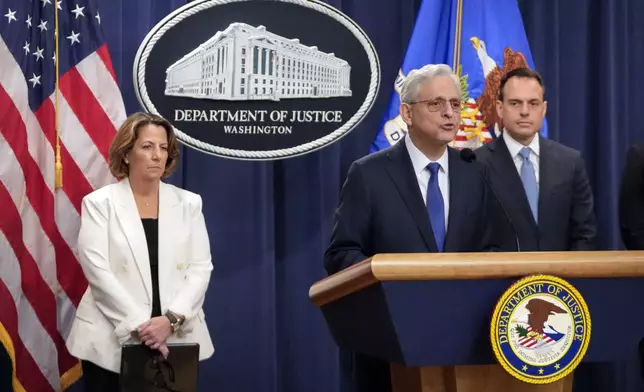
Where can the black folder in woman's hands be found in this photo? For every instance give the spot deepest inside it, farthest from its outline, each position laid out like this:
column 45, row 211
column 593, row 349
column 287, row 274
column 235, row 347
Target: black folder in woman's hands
column 145, row 370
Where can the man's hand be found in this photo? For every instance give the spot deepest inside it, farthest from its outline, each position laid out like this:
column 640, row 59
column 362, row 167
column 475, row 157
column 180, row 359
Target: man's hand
column 155, row 332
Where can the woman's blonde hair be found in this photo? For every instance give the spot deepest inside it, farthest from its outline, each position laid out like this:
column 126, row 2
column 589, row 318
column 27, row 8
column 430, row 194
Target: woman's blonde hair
column 127, row 135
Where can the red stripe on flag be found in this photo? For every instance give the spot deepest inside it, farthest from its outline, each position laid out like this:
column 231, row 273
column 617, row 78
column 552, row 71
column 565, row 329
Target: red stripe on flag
column 42, row 201
column 33, row 285
column 533, row 343
column 89, row 112
column 27, row 371
column 75, row 183
column 104, row 53
column 68, row 270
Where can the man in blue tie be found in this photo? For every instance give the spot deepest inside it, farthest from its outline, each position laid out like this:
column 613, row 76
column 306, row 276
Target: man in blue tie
column 417, row 196
column 542, row 184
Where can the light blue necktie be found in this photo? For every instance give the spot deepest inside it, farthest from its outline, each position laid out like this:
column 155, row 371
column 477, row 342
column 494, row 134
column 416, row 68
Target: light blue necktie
column 436, row 206
column 529, row 179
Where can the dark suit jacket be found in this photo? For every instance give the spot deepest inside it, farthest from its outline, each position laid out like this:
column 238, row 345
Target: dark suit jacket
column 631, row 209
column 566, row 216
column 382, row 210
column 631, row 199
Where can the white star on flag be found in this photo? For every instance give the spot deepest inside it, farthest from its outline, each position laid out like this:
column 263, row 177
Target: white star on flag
column 38, row 53
column 11, row 15
column 35, row 80
column 78, row 11
column 73, row 37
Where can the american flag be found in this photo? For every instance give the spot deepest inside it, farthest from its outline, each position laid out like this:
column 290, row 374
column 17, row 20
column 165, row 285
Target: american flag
column 542, row 341
column 41, row 282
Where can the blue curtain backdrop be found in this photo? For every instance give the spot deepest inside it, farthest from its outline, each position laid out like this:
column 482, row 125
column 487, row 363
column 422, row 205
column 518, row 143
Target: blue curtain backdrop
column 270, row 222
column 590, row 55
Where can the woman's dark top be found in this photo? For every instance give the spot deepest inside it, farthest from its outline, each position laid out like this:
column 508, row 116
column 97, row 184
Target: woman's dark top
column 151, row 227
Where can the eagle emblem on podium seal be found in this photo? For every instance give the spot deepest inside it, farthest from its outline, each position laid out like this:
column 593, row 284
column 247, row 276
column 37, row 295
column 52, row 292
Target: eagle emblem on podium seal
column 540, row 329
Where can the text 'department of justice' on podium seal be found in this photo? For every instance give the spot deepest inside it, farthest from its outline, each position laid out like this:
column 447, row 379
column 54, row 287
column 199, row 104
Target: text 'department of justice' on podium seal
column 540, row 329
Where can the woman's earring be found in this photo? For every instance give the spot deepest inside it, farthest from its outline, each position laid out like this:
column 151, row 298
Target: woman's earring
column 126, row 161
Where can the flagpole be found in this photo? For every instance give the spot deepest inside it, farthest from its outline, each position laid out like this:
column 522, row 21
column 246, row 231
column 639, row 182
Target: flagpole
column 456, row 61
column 59, row 164
column 457, row 37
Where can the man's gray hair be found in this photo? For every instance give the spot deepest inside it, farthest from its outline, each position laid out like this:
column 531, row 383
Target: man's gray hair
column 417, row 77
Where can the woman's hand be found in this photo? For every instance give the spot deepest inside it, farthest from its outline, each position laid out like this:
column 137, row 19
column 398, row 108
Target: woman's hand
column 164, row 350
column 155, row 332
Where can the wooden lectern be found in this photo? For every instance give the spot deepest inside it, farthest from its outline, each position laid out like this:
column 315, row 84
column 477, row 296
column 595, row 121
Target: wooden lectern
column 429, row 314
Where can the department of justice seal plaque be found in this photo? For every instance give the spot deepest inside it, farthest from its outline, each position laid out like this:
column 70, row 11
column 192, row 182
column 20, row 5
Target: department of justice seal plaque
column 540, row 329
column 258, row 80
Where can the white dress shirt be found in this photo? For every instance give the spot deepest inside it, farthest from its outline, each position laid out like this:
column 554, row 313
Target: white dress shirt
column 515, row 148
column 420, row 162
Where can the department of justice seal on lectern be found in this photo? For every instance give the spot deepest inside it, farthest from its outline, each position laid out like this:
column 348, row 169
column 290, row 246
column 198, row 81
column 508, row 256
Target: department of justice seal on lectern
column 540, row 329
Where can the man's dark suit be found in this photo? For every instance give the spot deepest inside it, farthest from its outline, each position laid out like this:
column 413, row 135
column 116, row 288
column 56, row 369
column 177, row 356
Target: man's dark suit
column 631, row 199
column 566, row 216
column 382, row 211
column 631, row 209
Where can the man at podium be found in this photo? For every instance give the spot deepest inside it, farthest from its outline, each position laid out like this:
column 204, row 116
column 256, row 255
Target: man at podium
column 417, row 196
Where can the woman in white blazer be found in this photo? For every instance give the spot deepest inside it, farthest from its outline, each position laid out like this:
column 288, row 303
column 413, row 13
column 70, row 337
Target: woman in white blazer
column 144, row 248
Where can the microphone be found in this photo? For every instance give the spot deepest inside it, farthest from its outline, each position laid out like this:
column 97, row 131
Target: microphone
column 468, row 155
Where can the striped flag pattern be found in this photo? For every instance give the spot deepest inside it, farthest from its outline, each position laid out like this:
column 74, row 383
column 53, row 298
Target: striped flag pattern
column 532, row 343
column 41, row 282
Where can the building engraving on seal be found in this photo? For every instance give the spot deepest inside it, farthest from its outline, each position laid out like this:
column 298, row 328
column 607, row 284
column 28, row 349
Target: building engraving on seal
column 250, row 63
